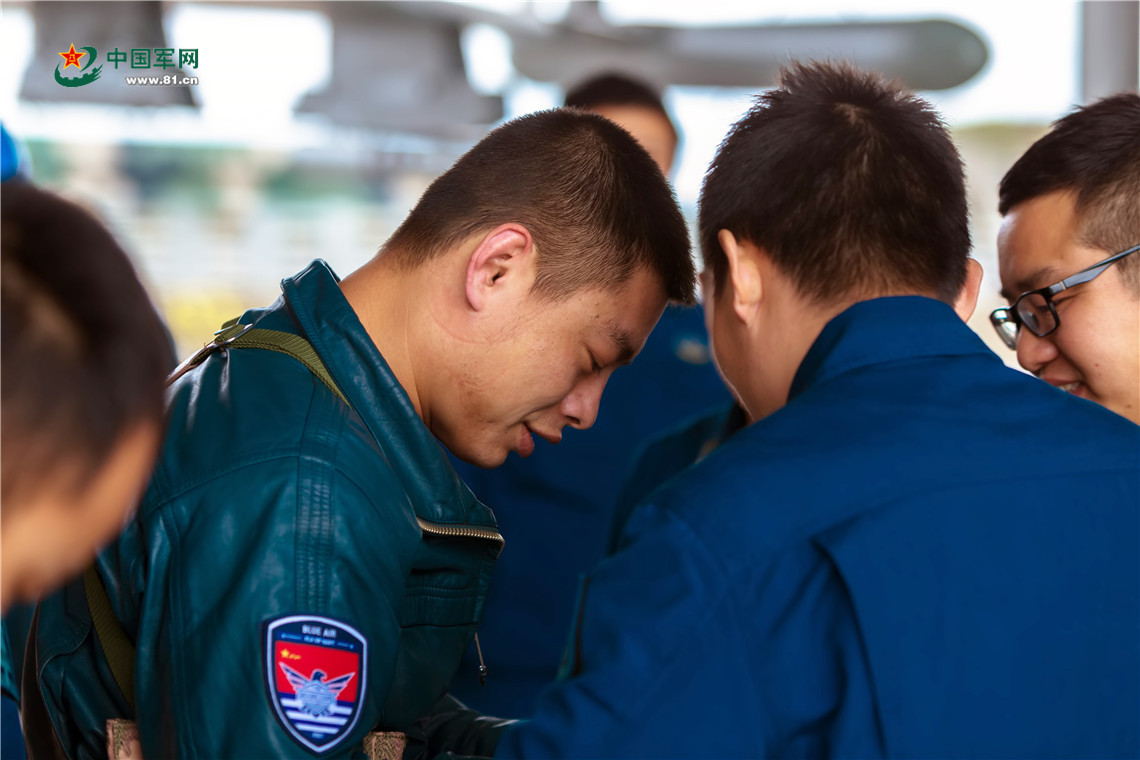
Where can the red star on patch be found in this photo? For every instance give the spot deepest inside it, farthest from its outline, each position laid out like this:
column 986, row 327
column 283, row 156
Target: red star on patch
column 71, row 57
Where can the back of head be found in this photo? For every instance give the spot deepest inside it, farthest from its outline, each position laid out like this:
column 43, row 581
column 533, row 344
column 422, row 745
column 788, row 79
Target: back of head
column 83, row 351
column 596, row 204
column 851, row 184
column 1094, row 153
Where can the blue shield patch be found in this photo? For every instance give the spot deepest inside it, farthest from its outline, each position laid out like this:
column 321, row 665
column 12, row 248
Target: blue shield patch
column 315, row 669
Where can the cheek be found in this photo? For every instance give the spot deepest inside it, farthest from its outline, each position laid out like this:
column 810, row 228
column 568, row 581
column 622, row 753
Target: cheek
column 1081, row 340
column 470, row 391
column 96, row 527
column 550, row 383
column 66, row 549
column 549, row 369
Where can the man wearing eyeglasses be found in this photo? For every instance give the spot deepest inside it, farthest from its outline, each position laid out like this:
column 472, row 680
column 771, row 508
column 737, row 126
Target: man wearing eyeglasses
column 1069, row 251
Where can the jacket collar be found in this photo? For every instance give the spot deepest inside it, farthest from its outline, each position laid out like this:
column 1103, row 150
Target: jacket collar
column 884, row 330
column 336, row 333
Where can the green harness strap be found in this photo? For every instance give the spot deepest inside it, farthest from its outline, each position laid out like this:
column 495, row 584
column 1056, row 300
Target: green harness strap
column 234, row 335
column 117, row 648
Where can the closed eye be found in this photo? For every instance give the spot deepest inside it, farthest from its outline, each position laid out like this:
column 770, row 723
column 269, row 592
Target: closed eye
column 1057, row 301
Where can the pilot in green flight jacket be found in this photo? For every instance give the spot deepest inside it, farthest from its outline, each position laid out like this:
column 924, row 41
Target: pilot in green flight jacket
column 274, row 499
column 305, row 566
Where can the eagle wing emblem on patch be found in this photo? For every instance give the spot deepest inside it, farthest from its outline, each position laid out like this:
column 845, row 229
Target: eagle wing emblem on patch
column 316, row 694
column 318, row 710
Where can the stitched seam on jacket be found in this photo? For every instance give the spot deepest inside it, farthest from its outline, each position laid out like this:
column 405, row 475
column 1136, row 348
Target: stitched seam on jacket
column 443, row 592
column 167, row 495
column 176, row 578
column 858, row 623
column 883, row 495
column 314, row 520
column 718, row 587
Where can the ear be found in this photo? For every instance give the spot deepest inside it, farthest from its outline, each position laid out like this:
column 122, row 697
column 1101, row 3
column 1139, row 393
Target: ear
column 503, row 261
column 968, row 298
column 744, row 272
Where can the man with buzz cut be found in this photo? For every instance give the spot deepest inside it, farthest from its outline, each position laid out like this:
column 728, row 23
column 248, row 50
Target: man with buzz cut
column 305, row 569
column 1069, row 250
column 558, row 520
column 914, row 551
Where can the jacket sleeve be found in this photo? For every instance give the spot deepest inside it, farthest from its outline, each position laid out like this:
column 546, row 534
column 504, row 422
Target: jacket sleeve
column 288, row 539
column 649, row 651
column 681, row 654
column 454, row 730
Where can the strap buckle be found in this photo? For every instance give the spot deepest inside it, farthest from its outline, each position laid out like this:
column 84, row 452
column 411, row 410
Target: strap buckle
column 222, row 338
column 228, row 334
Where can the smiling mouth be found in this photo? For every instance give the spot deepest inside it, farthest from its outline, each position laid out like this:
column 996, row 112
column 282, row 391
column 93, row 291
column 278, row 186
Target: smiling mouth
column 1076, row 387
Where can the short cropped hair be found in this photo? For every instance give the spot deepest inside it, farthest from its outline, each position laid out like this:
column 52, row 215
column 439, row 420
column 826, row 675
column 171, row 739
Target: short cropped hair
column 1094, row 152
column 595, row 203
column 84, row 353
column 851, row 184
column 613, row 89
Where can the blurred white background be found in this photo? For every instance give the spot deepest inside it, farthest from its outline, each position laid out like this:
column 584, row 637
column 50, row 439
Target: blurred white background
column 219, row 200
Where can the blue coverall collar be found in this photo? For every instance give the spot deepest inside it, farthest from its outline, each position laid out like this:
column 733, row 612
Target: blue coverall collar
column 883, row 330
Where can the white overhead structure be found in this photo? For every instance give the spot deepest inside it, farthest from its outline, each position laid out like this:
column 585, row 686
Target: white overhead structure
column 924, row 55
column 398, row 67
column 399, row 71
column 1110, row 47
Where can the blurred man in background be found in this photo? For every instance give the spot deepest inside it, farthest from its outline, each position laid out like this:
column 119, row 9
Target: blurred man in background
column 1069, row 252
column 635, row 107
column 305, row 567
column 84, row 356
column 558, row 505
column 84, row 359
column 914, row 551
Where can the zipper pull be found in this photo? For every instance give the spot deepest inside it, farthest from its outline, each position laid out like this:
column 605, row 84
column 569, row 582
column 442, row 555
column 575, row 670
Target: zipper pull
column 482, row 667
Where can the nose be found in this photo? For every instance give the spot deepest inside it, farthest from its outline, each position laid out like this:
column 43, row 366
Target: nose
column 580, row 406
column 1034, row 353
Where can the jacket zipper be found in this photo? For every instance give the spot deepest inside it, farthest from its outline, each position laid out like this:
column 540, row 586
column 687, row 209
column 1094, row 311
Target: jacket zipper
column 466, row 531
column 482, row 665
column 462, row 531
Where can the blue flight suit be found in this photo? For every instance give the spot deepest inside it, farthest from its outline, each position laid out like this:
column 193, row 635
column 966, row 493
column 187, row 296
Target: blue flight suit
column 924, row 554
column 301, row 570
column 557, row 507
column 670, row 453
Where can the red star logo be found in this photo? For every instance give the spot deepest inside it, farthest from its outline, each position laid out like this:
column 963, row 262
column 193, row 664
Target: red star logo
column 71, row 57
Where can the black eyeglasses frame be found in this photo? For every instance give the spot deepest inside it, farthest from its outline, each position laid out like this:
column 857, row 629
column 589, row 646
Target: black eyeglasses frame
column 1011, row 314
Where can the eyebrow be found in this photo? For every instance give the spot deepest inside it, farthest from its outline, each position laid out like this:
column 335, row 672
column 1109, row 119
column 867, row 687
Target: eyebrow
column 1025, row 284
column 622, row 340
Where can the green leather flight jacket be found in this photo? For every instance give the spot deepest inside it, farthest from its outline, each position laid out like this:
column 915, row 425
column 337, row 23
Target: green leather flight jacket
column 275, row 501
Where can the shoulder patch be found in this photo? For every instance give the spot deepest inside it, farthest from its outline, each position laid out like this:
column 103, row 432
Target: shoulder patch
column 315, row 670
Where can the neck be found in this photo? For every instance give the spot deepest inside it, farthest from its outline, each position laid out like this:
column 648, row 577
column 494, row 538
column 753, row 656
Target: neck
column 790, row 326
column 379, row 293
